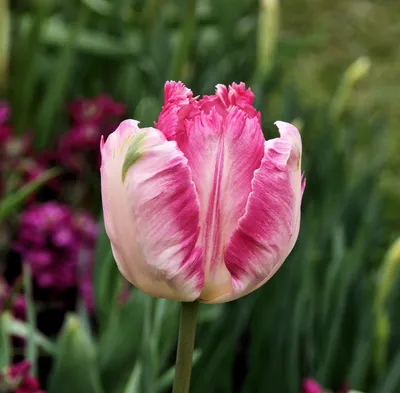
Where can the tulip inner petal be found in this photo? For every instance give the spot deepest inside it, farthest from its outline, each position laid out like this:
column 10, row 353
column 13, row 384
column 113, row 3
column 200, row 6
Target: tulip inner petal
column 223, row 153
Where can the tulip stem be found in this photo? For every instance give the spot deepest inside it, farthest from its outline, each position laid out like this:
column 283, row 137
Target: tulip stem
column 187, row 332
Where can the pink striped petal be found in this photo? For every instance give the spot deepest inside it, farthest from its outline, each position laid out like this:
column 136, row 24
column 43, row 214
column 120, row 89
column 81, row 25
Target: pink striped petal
column 225, row 99
column 269, row 228
column 151, row 212
column 179, row 105
column 223, row 154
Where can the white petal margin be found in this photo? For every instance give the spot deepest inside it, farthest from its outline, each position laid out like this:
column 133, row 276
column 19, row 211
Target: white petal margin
column 268, row 230
column 152, row 215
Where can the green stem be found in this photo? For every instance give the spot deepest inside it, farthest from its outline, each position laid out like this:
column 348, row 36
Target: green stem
column 187, row 332
column 30, row 351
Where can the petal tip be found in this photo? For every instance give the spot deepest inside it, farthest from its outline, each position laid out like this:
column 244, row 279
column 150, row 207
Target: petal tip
column 289, row 132
column 128, row 123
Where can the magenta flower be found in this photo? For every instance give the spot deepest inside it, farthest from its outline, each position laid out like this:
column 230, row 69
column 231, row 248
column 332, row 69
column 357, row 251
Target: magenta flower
column 95, row 110
column 5, row 133
column 311, row 386
column 17, row 302
column 201, row 207
column 47, row 241
column 4, row 113
column 345, row 387
column 16, row 379
column 91, row 118
column 17, row 147
column 57, row 243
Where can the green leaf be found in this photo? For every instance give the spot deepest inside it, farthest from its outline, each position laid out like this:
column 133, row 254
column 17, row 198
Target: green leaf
column 121, row 341
column 5, row 348
column 133, row 385
column 58, row 82
column 102, row 7
column 107, row 278
column 148, row 349
column 30, row 348
column 75, row 368
column 56, row 32
column 391, row 384
column 147, row 111
column 15, row 327
column 4, row 42
column 12, row 202
column 181, row 50
column 25, row 77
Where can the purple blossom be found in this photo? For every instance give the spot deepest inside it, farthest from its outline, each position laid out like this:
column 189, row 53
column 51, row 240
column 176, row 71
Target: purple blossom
column 19, row 307
column 16, row 379
column 311, row 386
column 95, row 110
column 16, row 301
column 75, row 145
column 58, row 244
column 344, row 388
column 4, row 112
column 16, row 154
column 5, row 133
column 91, row 118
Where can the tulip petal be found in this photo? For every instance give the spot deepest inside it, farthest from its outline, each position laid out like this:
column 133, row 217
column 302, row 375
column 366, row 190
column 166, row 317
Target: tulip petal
column 268, row 230
column 223, row 154
column 225, row 99
column 178, row 105
column 151, row 212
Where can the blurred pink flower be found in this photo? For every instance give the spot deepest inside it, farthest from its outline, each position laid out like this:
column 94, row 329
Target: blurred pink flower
column 87, row 229
column 17, row 155
column 5, row 133
column 4, row 112
column 31, row 168
column 18, row 146
column 50, row 238
column 311, row 386
column 19, row 307
column 58, row 244
column 344, row 388
column 16, row 379
column 91, row 118
column 95, row 110
column 18, row 302
column 13, row 150
column 76, row 144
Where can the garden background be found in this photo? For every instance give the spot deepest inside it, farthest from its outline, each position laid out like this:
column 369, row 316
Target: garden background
column 71, row 70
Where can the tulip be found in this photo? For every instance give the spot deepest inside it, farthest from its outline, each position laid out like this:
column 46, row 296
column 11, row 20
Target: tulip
column 201, row 207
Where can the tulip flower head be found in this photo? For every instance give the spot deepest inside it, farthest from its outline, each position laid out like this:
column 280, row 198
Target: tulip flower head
column 201, row 206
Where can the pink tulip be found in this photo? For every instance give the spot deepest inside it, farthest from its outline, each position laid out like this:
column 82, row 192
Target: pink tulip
column 201, row 207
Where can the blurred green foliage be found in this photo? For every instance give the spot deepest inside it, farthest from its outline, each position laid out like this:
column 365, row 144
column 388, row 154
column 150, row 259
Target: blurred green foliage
column 319, row 316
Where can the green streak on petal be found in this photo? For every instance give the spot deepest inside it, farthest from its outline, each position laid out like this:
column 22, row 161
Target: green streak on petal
column 133, row 153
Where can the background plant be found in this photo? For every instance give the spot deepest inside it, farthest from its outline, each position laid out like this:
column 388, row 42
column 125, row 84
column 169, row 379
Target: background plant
column 330, row 311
